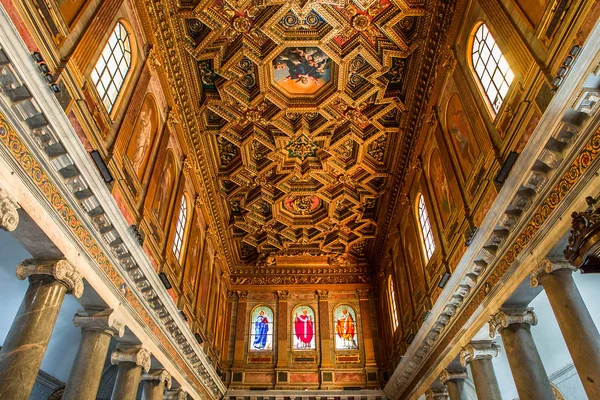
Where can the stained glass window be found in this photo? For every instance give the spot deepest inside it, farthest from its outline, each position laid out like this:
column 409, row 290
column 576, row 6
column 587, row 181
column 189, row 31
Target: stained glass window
column 346, row 333
column 113, row 66
column 394, row 308
column 491, row 67
column 180, row 228
column 303, row 328
column 261, row 329
column 426, row 232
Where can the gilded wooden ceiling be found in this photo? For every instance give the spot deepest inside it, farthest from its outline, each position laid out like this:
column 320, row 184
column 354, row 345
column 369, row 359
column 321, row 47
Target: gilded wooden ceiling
column 302, row 107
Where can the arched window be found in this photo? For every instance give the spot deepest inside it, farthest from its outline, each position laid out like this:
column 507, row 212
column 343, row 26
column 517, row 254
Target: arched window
column 393, row 306
column 113, row 66
column 346, row 334
column 303, row 328
column 426, row 232
column 261, row 329
column 180, row 228
column 490, row 66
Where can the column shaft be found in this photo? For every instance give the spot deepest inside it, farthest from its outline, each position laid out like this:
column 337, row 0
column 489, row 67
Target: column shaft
column 577, row 327
column 486, row 384
column 525, row 363
column 153, row 390
column 88, row 365
column 28, row 337
column 128, row 380
column 456, row 389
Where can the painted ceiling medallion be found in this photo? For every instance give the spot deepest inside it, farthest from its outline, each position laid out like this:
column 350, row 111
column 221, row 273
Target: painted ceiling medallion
column 302, row 70
column 302, row 205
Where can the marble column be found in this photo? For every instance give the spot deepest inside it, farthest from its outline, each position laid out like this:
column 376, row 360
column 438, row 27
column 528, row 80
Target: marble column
column 479, row 356
column 176, row 394
column 9, row 216
column 437, row 393
column 155, row 383
column 525, row 363
column 131, row 361
column 97, row 330
column 455, row 382
column 26, row 342
column 575, row 322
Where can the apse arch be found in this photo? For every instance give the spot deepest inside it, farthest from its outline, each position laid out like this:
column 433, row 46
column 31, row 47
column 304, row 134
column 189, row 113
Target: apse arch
column 261, row 332
column 304, row 328
column 345, row 324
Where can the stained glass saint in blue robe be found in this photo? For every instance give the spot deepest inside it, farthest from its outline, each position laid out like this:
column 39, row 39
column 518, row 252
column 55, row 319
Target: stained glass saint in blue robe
column 261, row 329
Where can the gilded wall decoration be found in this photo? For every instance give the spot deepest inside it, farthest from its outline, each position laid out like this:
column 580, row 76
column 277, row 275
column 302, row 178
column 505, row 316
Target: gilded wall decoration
column 461, row 135
column 164, row 189
column 438, row 177
column 142, row 138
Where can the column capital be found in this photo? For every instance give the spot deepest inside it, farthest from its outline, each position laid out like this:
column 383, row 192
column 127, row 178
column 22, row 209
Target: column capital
column 137, row 355
column 505, row 317
column 242, row 295
column 61, row 270
column 362, row 294
column 283, row 294
column 323, row 294
column 448, row 375
column 159, row 375
column 440, row 393
column 105, row 320
column 176, row 394
column 9, row 216
column 547, row 266
column 478, row 351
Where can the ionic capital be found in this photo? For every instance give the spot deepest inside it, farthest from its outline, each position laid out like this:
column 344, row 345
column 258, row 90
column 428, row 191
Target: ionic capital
column 242, row 295
column 323, row 294
column 547, row 267
column 9, row 216
column 137, row 355
column 61, row 270
column 440, row 393
column 159, row 375
column 478, row 351
column 106, row 320
column 504, row 318
column 448, row 375
column 177, row 394
column 362, row 294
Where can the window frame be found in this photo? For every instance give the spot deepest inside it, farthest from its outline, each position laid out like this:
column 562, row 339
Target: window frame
column 315, row 328
column 125, row 79
column 427, row 238
column 355, row 321
column 393, row 305
column 180, row 234
column 270, row 333
column 478, row 80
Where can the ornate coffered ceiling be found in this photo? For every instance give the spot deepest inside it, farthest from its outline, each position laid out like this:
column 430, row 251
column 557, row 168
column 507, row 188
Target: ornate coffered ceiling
column 301, row 110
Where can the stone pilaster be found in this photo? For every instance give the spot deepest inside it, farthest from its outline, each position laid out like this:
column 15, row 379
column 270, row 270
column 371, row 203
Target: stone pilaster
column 9, row 215
column 369, row 348
column 325, row 329
column 283, row 327
column 26, row 342
column 240, row 330
column 97, row 330
column 455, row 382
column 155, row 383
column 575, row 322
column 525, row 363
column 131, row 361
column 479, row 356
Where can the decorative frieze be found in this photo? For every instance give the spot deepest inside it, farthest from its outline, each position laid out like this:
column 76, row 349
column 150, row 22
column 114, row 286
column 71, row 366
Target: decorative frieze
column 9, row 215
column 504, row 318
column 61, row 270
column 478, row 351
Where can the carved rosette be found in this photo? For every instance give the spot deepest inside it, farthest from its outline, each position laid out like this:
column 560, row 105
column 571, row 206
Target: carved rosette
column 9, row 216
column 478, row 351
column 362, row 294
column 323, row 294
column 159, row 375
column 547, row 267
column 283, row 294
column 448, row 375
column 504, row 318
column 137, row 355
column 106, row 321
column 242, row 295
column 61, row 270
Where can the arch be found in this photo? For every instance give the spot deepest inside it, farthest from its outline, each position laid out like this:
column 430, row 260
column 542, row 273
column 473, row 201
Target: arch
column 180, row 227
column 425, row 227
column 393, row 304
column 262, row 321
column 489, row 66
column 143, row 135
column 113, row 67
column 164, row 189
column 304, row 334
column 346, row 327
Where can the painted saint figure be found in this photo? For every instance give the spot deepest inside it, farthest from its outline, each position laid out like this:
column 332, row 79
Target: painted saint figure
column 304, row 330
column 261, row 329
column 346, row 330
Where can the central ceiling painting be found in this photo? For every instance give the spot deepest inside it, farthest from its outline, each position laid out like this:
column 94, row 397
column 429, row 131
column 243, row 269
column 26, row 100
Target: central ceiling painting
column 300, row 106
